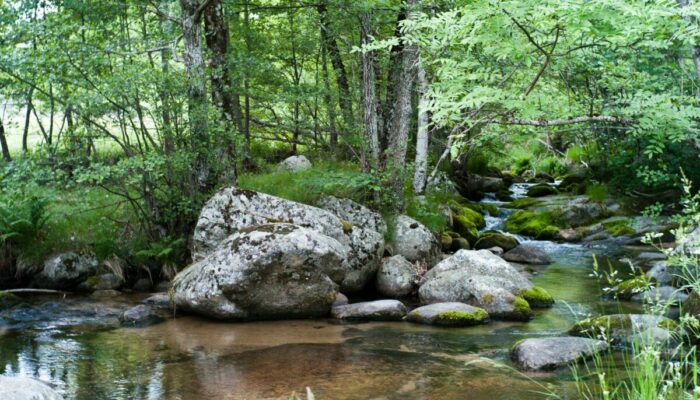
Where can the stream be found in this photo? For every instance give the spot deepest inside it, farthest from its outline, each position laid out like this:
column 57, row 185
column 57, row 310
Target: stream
column 87, row 356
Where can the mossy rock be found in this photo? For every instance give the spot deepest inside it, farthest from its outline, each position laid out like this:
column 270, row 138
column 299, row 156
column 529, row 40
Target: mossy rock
column 446, row 241
column 618, row 228
column 533, row 224
column 495, row 239
column 460, row 244
column 448, row 314
column 467, row 222
column 522, row 310
column 525, row 202
column 625, row 290
column 569, row 180
column 542, row 190
column 8, row 300
column 537, row 297
column 462, row 318
column 468, row 213
column 504, row 195
column 621, row 327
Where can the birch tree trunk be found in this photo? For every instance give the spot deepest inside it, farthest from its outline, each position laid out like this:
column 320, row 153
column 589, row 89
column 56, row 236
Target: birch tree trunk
column 422, row 138
column 369, row 96
column 196, row 92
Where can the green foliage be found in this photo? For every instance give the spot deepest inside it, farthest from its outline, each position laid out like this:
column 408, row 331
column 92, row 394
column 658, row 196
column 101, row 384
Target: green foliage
column 618, row 228
column 597, row 192
column 22, row 220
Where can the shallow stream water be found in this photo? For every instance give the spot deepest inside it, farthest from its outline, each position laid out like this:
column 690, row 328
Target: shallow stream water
column 190, row 358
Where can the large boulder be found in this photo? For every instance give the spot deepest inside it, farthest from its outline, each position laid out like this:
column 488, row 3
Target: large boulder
column 527, row 254
column 448, row 314
column 233, row 209
column 414, row 241
column 295, row 164
column 66, row 270
column 481, row 279
column 21, row 388
column 380, row 310
column 395, row 278
column 545, row 354
column 354, row 213
column 265, row 272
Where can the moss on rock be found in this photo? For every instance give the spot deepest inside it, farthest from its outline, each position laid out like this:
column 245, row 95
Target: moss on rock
column 522, row 310
column 542, row 190
column 533, row 224
column 525, row 202
column 495, row 239
column 537, row 297
column 446, row 241
column 618, row 228
column 626, row 289
column 467, row 222
column 462, row 318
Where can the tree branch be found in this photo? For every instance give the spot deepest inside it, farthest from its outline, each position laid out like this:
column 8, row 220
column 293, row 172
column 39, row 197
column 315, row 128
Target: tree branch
column 559, row 122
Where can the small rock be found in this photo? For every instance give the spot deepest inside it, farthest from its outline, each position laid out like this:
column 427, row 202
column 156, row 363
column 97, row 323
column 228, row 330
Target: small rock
column 542, row 190
column 448, row 314
column 161, row 300
column 528, row 255
column 666, row 294
column 106, row 293
column 143, row 285
column 545, row 354
column 140, row 316
column 661, row 274
column 414, row 241
column 20, row 388
column 295, row 164
column 395, row 277
column 66, row 270
column 340, row 300
column 380, row 310
column 496, row 250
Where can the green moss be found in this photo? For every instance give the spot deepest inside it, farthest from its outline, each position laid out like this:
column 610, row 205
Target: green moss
column 489, row 240
column 625, row 290
column 446, row 241
column 92, row 281
column 462, row 317
column 467, row 222
column 537, row 297
column 533, row 224
column 525, row 202
column 618, row 228
column 542, row 190
column 522, row 309
column 347, row 226
column 488, row 299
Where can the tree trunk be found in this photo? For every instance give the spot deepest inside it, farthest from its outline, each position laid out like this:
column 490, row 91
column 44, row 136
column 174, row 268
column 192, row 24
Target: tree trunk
column 331, row 45
column 3, row 144
column 217, row 38
column 422, row 138
column 393, row 74
column 196, row 93
column 328, row 98
column 27, row 117
column 398, row 135
column 369, row 97
column 695, row 50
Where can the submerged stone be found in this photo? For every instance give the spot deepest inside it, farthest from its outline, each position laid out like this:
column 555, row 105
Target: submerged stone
column 544, row 354
column 380, row 310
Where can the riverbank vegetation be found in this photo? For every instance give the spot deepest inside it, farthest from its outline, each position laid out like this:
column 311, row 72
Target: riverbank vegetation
column 119, row 120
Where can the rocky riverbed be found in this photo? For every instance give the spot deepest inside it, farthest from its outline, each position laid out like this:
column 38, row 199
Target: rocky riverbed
column 315, row 297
